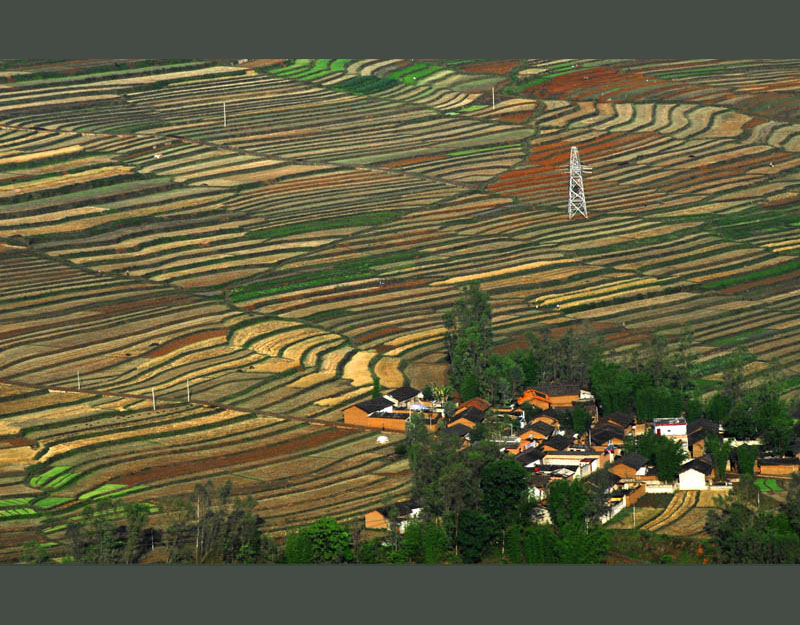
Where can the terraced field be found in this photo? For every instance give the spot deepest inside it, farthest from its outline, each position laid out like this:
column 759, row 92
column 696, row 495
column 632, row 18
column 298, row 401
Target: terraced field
column 271, row 264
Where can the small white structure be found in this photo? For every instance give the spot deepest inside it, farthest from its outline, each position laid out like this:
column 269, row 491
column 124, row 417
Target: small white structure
column 382, row 440
column 693, row 475
column 670, row 427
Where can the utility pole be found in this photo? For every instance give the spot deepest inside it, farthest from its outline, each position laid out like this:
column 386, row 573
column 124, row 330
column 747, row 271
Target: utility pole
column 634, row 516
column 224, row 116
column 79, row 380
column 153, row 393
column 492, row 98
column 188, row 396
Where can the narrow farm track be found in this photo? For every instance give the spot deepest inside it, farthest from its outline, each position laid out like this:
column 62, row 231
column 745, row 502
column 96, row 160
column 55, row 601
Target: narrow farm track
column 681, row 503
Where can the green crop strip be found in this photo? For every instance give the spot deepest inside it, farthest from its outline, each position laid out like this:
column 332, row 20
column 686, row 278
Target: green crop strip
column 15, row 502
column 340, row 272
column 365, row 85
column 750, row 276
column 101, row 490
column 718, row 364
column 325, row 224
column 51, row 502
column 487, row 149
column 41, row 480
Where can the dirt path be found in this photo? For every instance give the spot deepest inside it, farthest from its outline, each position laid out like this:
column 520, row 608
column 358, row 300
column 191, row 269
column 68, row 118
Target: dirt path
column 681, row 503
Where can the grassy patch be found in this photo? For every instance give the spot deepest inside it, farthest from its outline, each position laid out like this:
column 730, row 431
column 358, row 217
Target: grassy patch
column 761, row 485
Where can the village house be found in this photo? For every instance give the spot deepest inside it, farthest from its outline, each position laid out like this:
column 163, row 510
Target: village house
column 406, row 397
column 606, row 435
column 469, row 417
column 556, row 396
column 623, row 420
column 777, row 467
column 695, row 474
column 381, row 518
column 391, row 411
column 630, row 466
column 696, row 433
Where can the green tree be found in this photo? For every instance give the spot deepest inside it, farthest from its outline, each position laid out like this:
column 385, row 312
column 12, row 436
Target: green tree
column 717, row 408
column 324, row 541
column 666, row 454
column 733, row 375
column 468, row 339
column 504, row 484
column 581, row 420
column 720, row 453
column 473, row 535
column 746, row 458
column 33, row 552
column 377, row 391
column 136, row 517
column 540, row 545
column 435, row 543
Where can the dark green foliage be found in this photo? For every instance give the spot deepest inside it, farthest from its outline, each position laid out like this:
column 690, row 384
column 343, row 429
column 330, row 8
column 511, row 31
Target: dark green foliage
column 376, row 387
column 579, row 544
column 564, row 360
column 513, row 544
column 568, row 501
column 656, row 402
column 718, row 408
column 468, row 388
column 720, row 453
column 34, row 552
column 427, row 392
column 746, row 458
column 212, row 526
column 435, row 544
column 503, row 381
column 530, row 411
column 505, row 488
column 325, row 541
column 747, row 536
column 792, row 505
column 468, row 339
column 411, row 545
column 613, row 385
column 694, row 409
column 540, row 545
column 666, row 454
column 473, row 533
column 581, row 420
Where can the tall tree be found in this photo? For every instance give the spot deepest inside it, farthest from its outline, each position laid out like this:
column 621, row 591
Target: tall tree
column 504, row 484
column 468, row 337
column 720, row 453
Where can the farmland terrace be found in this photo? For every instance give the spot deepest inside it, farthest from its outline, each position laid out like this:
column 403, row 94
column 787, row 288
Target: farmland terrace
column 274, row 261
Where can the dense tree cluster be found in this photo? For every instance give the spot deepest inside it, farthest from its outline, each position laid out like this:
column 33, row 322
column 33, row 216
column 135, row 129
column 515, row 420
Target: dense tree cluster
column 744, row 533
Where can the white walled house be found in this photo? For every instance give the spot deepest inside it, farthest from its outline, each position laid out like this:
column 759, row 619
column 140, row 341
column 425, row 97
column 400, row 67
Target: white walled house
column 670, row 427
column 694, row 475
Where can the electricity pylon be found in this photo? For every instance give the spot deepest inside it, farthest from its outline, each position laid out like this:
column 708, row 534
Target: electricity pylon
column 577, row 199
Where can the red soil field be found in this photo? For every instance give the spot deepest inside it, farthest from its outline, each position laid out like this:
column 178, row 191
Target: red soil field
column 377, row 334
column 254, row 455
column 489, row 67
column 413, row 161
column 171, row 346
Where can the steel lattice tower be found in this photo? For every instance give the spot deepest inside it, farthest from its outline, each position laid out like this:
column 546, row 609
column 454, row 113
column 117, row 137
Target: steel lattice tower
column 577, row 199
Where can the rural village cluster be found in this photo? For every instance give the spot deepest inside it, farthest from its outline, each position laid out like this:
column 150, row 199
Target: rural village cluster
column 550, row 452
